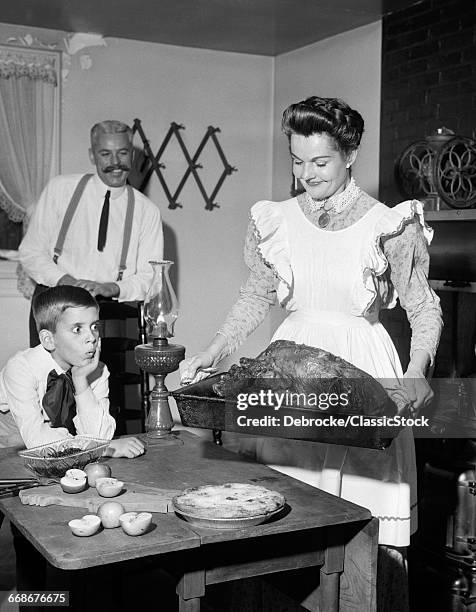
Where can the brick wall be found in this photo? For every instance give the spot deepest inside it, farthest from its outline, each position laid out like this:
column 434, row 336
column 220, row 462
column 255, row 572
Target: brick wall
column 428, row 81
column 428, row 78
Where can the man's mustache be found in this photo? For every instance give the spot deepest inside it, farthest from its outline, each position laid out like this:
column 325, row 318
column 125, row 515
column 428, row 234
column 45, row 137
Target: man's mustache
column 117, row 167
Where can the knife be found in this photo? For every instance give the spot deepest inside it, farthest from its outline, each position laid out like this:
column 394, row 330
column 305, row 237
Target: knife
column 13, row 489
column 7, row 482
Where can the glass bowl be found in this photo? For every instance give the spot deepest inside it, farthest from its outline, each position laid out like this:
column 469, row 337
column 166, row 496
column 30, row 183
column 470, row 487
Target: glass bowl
column 51, row 461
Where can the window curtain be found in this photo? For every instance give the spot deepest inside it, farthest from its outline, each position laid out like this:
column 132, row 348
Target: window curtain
column 28, row 133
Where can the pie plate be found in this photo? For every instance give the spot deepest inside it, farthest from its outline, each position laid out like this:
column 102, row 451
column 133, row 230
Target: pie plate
column 226, row 523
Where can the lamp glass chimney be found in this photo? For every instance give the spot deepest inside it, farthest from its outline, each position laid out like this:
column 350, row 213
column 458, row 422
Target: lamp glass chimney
column 161, row 305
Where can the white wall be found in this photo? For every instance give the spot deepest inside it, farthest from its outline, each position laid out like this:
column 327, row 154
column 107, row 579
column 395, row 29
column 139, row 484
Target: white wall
column 243, row 95
column 160, row 84
column 197, row 88
column 346, row 66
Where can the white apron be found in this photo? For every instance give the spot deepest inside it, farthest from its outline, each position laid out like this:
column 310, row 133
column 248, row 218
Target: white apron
column 329, row 281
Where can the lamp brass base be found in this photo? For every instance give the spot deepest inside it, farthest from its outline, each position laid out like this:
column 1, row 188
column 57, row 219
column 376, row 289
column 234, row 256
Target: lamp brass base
column 159, row 359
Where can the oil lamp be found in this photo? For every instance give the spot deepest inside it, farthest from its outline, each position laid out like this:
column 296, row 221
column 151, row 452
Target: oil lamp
column 158, row 357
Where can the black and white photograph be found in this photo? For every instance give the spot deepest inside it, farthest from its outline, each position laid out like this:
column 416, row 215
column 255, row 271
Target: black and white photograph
column 238, row 305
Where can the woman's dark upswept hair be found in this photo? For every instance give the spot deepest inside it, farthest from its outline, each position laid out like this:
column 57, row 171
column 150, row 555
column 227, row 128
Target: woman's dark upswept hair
column 330, row 116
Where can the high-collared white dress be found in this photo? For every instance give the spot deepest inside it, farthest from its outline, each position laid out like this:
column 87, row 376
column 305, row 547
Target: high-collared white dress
column 333, row 284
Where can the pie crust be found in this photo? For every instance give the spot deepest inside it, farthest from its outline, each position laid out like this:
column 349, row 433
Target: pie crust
column 232, row 500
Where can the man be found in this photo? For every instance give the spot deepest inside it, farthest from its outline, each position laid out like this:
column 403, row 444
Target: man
column 94, row 231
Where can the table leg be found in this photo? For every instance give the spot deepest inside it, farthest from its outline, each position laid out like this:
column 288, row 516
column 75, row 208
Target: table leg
column 190, row 588
column 358, row 585
column 329, row 592
column 189, row 605
column 330, row 577
column 30, row 565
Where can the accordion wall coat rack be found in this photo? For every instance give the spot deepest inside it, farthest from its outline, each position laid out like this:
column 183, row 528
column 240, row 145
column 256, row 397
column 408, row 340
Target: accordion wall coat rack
column 152, row 163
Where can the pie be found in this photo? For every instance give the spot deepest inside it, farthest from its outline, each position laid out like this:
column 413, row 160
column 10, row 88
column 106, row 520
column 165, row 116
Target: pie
column 232, row 500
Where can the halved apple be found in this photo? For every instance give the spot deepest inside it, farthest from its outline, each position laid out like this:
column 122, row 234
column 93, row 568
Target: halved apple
column 109, row 487
column 74, row 481
column 86, row 526
column 135, row 523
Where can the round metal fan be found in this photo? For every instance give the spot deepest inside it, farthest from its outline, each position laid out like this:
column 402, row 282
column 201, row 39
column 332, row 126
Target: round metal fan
column 441, row 167
column 414, row 170
column 455, row 172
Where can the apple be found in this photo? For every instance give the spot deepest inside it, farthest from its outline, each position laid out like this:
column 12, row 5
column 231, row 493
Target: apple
column 109, row 513
column 96, row 470
column 74, row 481
column 86, row 526
column 75, row 473
column 109, row 487
column 135, row 523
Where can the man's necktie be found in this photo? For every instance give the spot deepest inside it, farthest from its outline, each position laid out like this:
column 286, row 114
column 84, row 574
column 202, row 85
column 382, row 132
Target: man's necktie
column 58, row 401
column 102, row 234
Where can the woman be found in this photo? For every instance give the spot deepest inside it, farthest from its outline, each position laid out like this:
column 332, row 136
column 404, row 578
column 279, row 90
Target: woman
column 334, row 256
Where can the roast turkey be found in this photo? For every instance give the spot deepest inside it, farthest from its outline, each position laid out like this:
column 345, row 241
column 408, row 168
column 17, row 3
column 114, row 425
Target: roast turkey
column 308, row 371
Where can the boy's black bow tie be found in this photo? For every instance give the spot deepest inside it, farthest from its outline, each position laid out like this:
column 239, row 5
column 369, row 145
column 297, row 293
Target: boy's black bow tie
column 58, row 401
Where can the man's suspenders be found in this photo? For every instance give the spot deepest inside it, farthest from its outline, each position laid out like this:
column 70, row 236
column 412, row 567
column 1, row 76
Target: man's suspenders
column 68, row 217
column 126, row 238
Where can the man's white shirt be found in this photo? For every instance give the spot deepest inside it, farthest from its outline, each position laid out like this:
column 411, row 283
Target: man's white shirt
column 80, row 257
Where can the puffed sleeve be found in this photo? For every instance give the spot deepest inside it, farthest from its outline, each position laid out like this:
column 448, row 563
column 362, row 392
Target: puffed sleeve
column 256, row 297
column 408, row 261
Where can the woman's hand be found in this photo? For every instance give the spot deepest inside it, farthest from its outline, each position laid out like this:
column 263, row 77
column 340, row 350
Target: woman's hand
column 201, row 365
column 195, row 368
column 125, row 447
column 418, row 389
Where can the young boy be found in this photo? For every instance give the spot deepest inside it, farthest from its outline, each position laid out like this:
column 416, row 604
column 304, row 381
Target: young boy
column 60, row 388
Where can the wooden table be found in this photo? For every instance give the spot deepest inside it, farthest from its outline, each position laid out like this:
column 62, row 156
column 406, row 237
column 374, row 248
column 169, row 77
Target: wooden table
column 315, row 530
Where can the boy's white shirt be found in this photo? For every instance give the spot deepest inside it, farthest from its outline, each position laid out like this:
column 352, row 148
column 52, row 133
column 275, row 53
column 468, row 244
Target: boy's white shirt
column 22, row 387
